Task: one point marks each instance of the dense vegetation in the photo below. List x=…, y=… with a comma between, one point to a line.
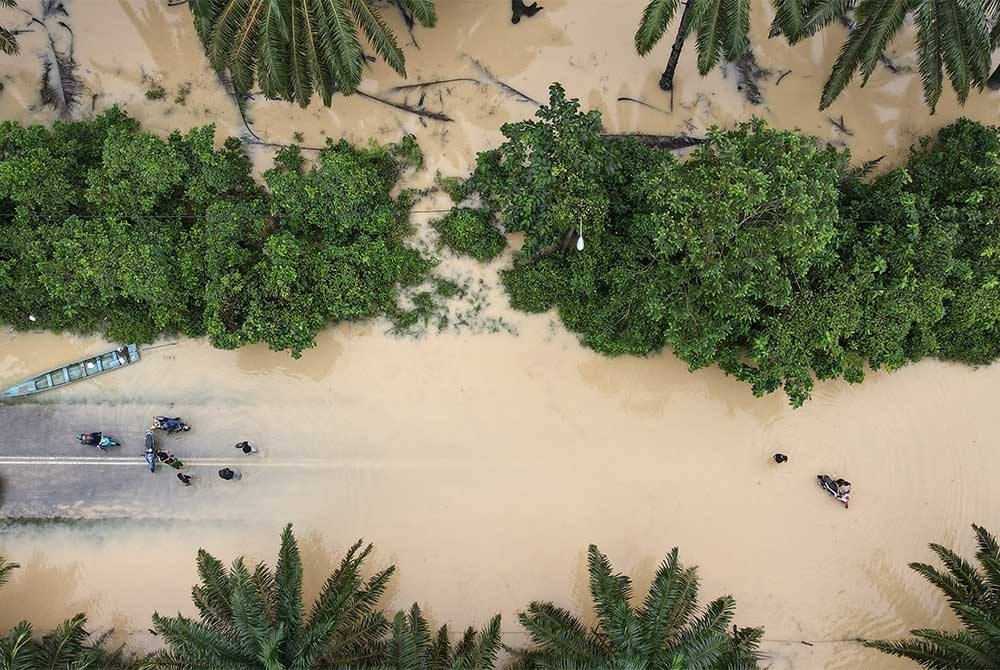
x=104, y=228
x=973, y=594
x=953, y=39
x=293, y=48
x=253, y=617
x=763, y=253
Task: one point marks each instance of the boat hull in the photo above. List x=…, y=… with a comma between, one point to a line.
x=73, y=372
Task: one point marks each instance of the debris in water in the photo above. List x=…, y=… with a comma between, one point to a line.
x=665, y=142
x=397, y=89
x=509, y=89
x=437, y=116
x=840, y=125
x=848, y=22
x=644, y=104
x=748, y=72
x=519, y=9
x=782, y=76
x=408, y=20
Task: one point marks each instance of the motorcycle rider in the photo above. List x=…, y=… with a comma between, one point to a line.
x=169, y=424
x=90, y=439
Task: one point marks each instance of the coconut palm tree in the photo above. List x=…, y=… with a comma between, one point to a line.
x=412, y=648
x=973, y=593
x=8, y=44
x=67, y=647
x=295, y=47
x=668, y=631
x=954, y=38
x=723, y=28
x=254, y=618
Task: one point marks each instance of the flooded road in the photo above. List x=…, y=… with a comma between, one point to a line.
x=482, y=465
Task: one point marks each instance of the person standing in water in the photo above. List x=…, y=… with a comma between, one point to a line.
x=780, y=458
x=246, y=447
x=185, y=479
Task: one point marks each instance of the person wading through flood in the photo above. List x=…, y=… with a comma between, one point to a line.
x=246, y=448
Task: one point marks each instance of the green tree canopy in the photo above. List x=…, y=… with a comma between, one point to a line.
x=104, y=228
x=763, y=253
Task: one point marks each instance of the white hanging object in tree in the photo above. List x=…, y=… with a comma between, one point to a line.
x=579, y=240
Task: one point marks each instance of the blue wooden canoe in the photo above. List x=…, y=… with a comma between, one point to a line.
x=72, y=372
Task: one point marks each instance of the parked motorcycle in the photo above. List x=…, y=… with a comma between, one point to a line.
x=99, y=440
x=150, y=454
x=170, y=424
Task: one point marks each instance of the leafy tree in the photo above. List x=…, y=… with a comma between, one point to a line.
x=973, y=594
x=8, y=43
x=954, y=38
x=104, y=228
x=471, y=232
x=723, y=28
x=68, y=647
x=667, y=631
x=253, y=617
x=411, y=646
x=295, y=47
x=763, y=253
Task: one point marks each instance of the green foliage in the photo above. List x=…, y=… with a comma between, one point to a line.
x=973, y=594
x=253, y=616
x=471, y=232
x=105, y=228
x=412, y=647
x=762, y=254
x=295, y=47
x=669, y=630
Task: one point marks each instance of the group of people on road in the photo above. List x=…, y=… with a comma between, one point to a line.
x=171, y=425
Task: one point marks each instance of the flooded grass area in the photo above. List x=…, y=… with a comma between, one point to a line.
x=483, y=457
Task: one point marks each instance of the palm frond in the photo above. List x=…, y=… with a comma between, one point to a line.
x=965, y=44
x=422, y=10
x=927, y=654
x=560, y=635
x=878, y=21
x=825, y=12
x=212, y=596
x=403, y=651
x=339, y=40
x=672, y=598
x=611, y=593
x=5, y=570
x=482, y=650
x=8, y=43
x=708, y=20
x=61, y=647
x=655, y=18
x=379, y=35
x=17, y=650
x=288, y=580
x=929, y=58
x=736, y=38
x=249, y=615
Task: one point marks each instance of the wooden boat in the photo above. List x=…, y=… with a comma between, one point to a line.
x=67, y=374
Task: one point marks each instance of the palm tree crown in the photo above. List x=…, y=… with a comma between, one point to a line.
x=954, y=37
x=723, y=28
x=668, y=631
x=973, y=593
x=295, y=47
x=254, y=618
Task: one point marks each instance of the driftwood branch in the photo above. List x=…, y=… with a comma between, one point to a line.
x=782, y=76
x=509, y=89
x=437, y=82
x=840, y=125
x=665, y=142
x=644, y=104
x=437, y=116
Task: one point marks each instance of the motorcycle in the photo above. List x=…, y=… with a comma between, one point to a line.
x=99, y=440
x=150, y=455
x=170, y=424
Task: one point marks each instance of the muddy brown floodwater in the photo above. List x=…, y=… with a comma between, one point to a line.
x=483, y=464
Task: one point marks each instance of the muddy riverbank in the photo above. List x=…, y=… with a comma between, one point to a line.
x=482, y=465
